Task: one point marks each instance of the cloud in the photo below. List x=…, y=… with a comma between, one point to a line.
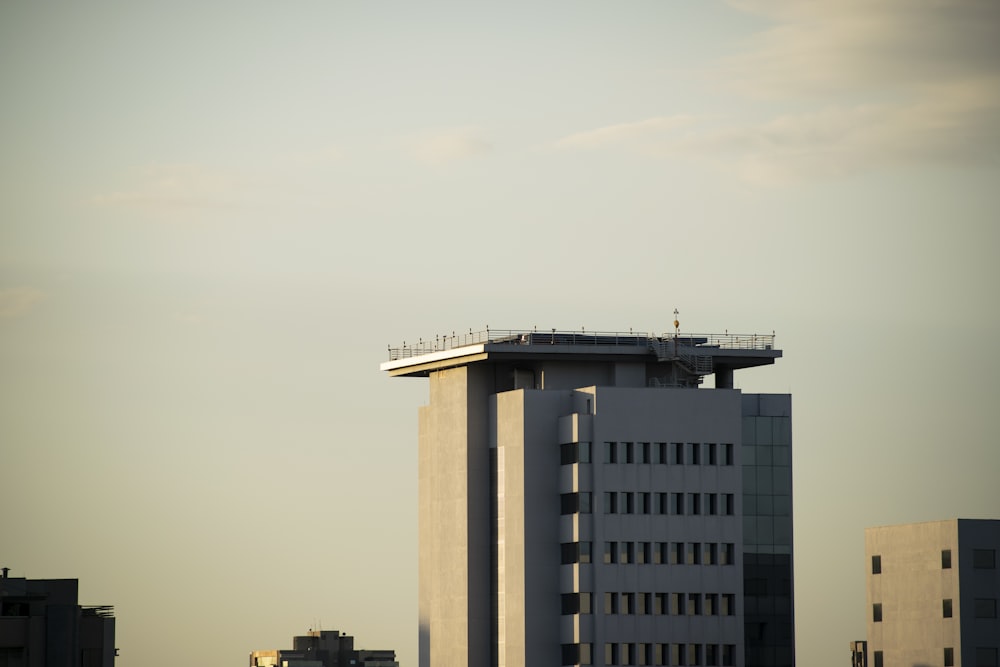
x=448, y=145
x=873, y=84
x=172, y=186
x=15, y=301
x=623, y=132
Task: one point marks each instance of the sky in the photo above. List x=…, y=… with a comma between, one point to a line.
x=216, y=217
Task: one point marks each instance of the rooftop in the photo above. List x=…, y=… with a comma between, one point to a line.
x=699, y=354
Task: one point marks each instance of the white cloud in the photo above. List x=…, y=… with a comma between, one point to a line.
x=623, y=132
x=15, y=301
x=171, y=186
x=448, y=145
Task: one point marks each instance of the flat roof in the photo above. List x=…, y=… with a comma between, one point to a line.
x=715, y=351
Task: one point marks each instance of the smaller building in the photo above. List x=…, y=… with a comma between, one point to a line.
x=42, y=625
x=323, y=648
x=932, y=591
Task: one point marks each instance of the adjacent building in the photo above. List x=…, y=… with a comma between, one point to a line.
x=932, y=591
x=323, y=648
x=583, y=500
x=43, y=625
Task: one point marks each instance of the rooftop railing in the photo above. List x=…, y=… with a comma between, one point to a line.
x=445, y=342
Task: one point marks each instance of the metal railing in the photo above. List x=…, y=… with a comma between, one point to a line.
x=444, y=342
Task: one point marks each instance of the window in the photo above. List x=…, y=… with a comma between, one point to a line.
x=642, y=452
x=570, y=654
x=677, y=503
x=611, y=452
x=728, y=655
x=645, y=654
x=661, y=453
x=678, y=453
x=677, y=654
x=694, y=453
x=574, y=452
x=946, y=608
x=569, y=503
x=727, y=454
x=627, y=552
x=711, y=553
x=694, y=604
x=986, y=657
x=628, y=603
x=628, y=502
x=584, y=452
x=728, y=607
x=877, y=612
x=628, y=654
x=728, y=554
x=570, y=603
x=986, y=607
x=878, y=659
x=628, y=452
x=713, y=459
x=694, y=503
x=610, y=502
x=661, y=553
x=694, y=654
x=586, y=502
x=693, y=553
x=676, y=604
x=611, y=603
x=729, y=504
x=610, y=552
x=984, y=559
x=643, y=503
x=876, y=565
x=713, y=503
x=586, y=654
x=585, y=549
x=662, y=506
x=660, y=604
x=949, y=657
x=644, y=603
x=570, y=552
x=611, y=654
x=586, y=603
x=946, y=559
x=711, y=604
x=711, y=654
x=642, y=553
x=676, y=552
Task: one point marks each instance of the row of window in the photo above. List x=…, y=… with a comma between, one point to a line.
x=653, y=553
x=982, y=559
x=983, y=608
x=652, y=654
x=642, y=502
x=656, y=604
x=985, y=657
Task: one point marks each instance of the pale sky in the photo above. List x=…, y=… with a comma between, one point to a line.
x=214, y=218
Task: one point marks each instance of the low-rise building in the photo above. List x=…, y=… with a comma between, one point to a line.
x=323, y=648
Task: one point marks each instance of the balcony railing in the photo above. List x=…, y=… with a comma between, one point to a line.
x=444, y=342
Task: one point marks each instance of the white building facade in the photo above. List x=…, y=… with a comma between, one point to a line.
x=584, y=502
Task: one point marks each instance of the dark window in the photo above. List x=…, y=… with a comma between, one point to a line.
x=676, y=552
x=628, y=654
x=878, y=659
x=627, y=552
x=694, y=503
x=610, y=502
x=585, y=549
x=662, y=503
x=677, y=503
x=730, y=504
x=728, y=555
x=728, y=655
x=678, y=453
x=644, y=603
x=693, y=553
x=645, y=656
x=628, y=502
x=643, y=553
x=571, y=654
x=694, y=449
x=694, y=654
x=569, y=503
x=877, y=612
x=586, y=502
x=986, y=657
x=728, y=607
x=611, y=603
x=711, y=604
x=611, y=452
x=570, y=552
x=570, y=603
x=660, y=553
x=986, y=608
x=876, y=565
x=713, y=503
x=984, y=559
x=568, y=453
x=611, y=654
x=949, y=657
x=713, y=459
x=643, y=503
x=676, y=604
x=694, y=604
x=946, y=608
x=711, y=553
x=629, y=453
x=610, y=552
x=628, y=603
x=946, y=559
x=583, y=450
x=727, y=454
x=711, y=654
x=642, y=452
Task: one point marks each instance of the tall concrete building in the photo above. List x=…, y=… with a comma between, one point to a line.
x=583, y=501
x=932, y=591
x=42, y=624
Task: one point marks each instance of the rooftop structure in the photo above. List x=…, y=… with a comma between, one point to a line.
x=323, y=648
x=582, y=501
